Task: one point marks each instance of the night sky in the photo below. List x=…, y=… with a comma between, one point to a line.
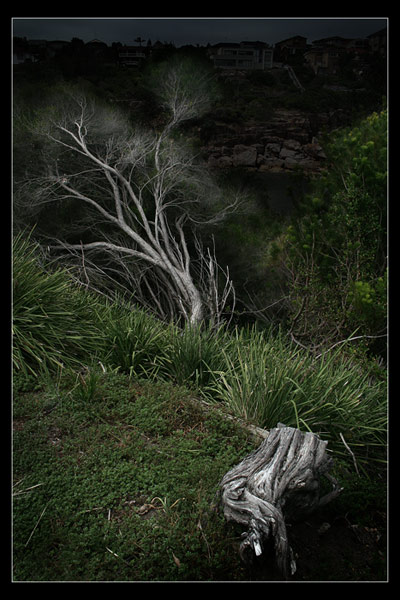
x=181, y=31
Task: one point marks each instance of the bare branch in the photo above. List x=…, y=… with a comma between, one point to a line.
x=351, y=339
x=144, y=187
x=110, y=247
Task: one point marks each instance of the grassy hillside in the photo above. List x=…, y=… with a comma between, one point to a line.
x=126, y=473
x=116, y=465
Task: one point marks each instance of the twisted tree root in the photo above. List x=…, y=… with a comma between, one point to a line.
x=280, y=480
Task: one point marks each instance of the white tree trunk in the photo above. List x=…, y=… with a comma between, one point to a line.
x=134, y=182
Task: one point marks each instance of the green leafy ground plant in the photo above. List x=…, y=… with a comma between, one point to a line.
x=120, y=488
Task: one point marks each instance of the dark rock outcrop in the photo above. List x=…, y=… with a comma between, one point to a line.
x=288, y=140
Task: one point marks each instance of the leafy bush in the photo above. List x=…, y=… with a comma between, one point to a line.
x=338, y=244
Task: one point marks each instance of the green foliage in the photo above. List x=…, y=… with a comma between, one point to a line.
x=84, y=482
x=94, y=448
x=368, y=301
x=267, y=380
x=87, y=386
x=194, y=353
x=257, y=375
x=337, y=247
x=360, y=153
x=135, y=340
x=53, y=322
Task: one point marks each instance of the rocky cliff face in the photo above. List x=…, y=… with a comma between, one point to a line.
x=288, y=140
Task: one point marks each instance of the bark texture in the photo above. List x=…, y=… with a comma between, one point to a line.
x=280, y=480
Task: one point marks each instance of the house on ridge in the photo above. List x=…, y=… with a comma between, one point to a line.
x=290, y=47
x=241, y=56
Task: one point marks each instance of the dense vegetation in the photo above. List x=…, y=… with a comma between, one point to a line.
x=111, y=446
x=337, y=248
x=99, y=447
x=258, y=375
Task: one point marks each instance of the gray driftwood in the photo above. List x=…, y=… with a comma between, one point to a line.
x=280, y=480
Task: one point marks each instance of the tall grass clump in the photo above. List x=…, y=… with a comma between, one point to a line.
x=194, y=353
x=267, y=380
x=136, y=341
x=55, y=322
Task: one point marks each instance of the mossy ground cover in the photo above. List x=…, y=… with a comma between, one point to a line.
x=115, y=479
x=125, y=474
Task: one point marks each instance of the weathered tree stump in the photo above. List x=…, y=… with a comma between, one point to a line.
x=280, y=480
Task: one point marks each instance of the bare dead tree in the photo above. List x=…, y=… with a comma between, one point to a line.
x=144, y=191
